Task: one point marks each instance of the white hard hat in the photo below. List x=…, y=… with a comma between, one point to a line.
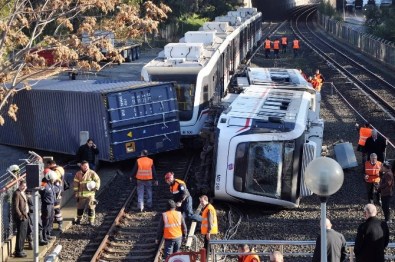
x=14, y=168
x=91, y=185
x=50, y=175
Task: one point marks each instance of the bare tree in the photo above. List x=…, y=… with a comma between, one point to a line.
x=27, y=27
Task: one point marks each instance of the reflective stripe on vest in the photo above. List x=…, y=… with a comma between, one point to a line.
x=267, y=44
x=296, y=44
x=364, y=133
x=214, y=226
x=144, y=168
x=373, y=171
x=172, y=224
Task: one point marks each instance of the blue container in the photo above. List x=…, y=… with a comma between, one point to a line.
x=122, y=117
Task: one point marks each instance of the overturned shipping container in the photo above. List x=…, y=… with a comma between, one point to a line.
x=123, y=117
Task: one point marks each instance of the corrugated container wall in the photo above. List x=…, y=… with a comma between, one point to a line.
x=122, y=117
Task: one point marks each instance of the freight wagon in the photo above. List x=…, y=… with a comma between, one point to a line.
x=123, y=117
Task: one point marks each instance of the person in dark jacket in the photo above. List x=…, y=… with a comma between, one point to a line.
x=88, y=153
x=372, y=237
x=47, y=192
x=385, y=189
x=336, y=245
x=20, y=210
x=376, y=144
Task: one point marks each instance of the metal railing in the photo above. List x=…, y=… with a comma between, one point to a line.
x=263, y=248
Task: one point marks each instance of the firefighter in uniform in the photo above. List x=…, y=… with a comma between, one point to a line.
x=144, y=171
x=295, y=46
x=276, y=48
x=86, y=183
x=244, y=248
x=180, y=195
x=364, y=133
x=284, y=44
x=209, y=225
x=172, y=227
x=58, y=182
x=267, y=45
x=372, y=177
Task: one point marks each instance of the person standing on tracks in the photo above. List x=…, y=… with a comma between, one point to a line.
x=372, y=177
x=86, y=183
x=296, y=46
x=276, y=48
x=372, y=237
x=48, y=194
x=320, y=79
x=364, y=133
x=386, y=188
x=267, y=45
x=20, y=210
x=58, y=182
x=144, y=172
x=336, y=245
x=88, y=152
x=244, y=248
x=181, y=195
x=284, y=44
x=171, y=227
x=376, y=144
x=209, y=225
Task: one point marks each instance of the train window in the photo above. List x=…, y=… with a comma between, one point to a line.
x=258, y=168
x=185, y=96
x=205, y=93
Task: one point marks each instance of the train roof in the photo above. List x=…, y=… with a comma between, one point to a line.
x=196, y=48
x=268, y=105
x=88, y=86
x=278, y=78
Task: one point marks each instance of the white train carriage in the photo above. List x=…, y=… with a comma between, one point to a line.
x=203, y=62
x=266, y=137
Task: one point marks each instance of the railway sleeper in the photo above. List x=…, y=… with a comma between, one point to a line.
x=130, y=237
x=128, y=245
x=128, y=258
x=126, y=251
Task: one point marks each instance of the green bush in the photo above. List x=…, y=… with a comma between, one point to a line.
x=190, y=23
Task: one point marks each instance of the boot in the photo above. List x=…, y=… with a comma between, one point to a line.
x=41, y=241
x=77, y=221
x=29, y=242
x=60, y=227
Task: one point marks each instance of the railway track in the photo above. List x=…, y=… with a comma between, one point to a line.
x=132, y=234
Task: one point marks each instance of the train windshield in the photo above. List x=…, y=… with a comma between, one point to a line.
x=185, y=97
x=264, y=168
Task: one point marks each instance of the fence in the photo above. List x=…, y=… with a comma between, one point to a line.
x=226, y=250
x=8, y=184
x=378, y=48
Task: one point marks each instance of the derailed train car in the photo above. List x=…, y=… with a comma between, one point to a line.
x=266, y=137
x=123, y=117
x=203, y=62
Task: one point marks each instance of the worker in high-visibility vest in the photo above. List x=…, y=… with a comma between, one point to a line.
x=209, y=226
x=372, y=177
x=244, y=248
x=144, y=172
x=320, y=78
x=364, y=133
x=284, y=44
x=267, y=45
x=276, y=48
x=295, y=46
x=172, y=228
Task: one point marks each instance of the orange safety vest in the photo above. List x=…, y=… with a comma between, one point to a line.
x=144, y=168
x=172, y=224
x=364, y=133
x=276, y=44
x=373, y=171
x=284, y=40
x=295, y=44
x=174, y=188
x=204, y=226
x=250, y=258
x=267, y=44
x=319, y=78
